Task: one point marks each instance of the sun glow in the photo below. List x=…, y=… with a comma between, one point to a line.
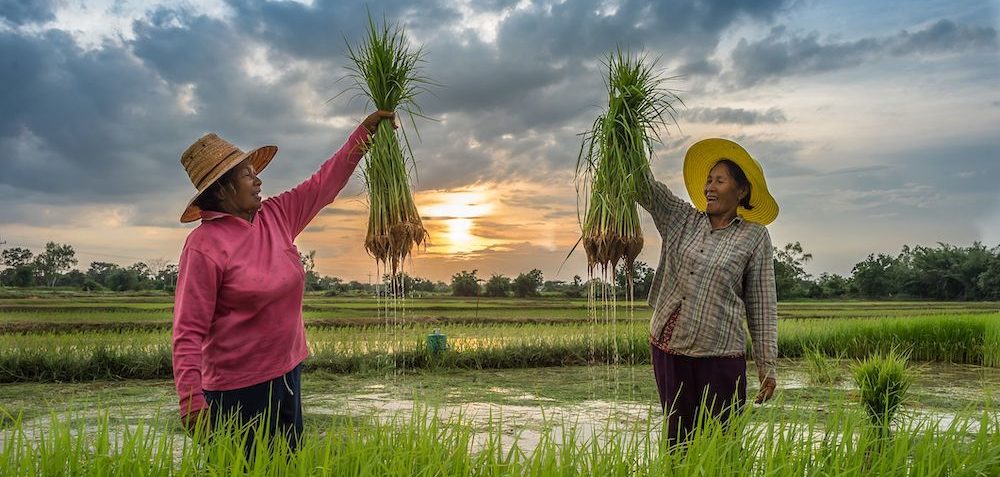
x=451, y=220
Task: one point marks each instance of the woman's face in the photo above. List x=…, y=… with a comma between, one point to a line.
x=244, y=199
x=722, y=191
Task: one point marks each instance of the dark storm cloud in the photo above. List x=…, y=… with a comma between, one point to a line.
x=106, y=125
x=540, y=75
x=783, y=53
x=20, y=12
x=318, y=31
x=725, y=115
x=79, y=123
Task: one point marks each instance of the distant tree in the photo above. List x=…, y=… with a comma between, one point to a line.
x=873, y=276
x=23, y=276
x=74, y=278
x=790, y=276
x=166, y=279
x=832, y=286
x=143, y=275
x=575, y=288
x=123, y=279
x=642, y=279
x=554, y=286
x=101, y=271
x=498, y=286
x=465, y=284
x=309, y=265
x=989, y=280
x=55, y=260
x=20, y=271
x=357, y=287
x=947, y=272
x=156, y=266
x=528, y=284
x=16, y=257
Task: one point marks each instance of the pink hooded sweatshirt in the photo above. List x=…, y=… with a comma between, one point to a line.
x=238, y=305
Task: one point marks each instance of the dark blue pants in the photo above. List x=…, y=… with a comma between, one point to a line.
x=274, y=404
x=714, y=386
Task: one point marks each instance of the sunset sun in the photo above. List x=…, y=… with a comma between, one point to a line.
x=453, y=216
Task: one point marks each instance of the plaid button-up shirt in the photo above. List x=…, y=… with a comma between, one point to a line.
x=716, y=279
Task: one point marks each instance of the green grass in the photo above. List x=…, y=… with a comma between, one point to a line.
x=146, y=354
x=823, y=369
x=115, y=313
x=758, y=442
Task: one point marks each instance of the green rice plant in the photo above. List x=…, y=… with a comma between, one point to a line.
x=425, y=442
x=883, y=381
x=991, y=343
x=145, y=354
x=386, y=70
x=944, y=338
x=614, y=158
x=821, y=368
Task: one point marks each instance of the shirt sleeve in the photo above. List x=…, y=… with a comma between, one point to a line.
x=666, y=208
x=298, y=206
x=760, y=296
x=198, y=282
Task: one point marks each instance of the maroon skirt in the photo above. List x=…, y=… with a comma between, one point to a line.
x=714, y=385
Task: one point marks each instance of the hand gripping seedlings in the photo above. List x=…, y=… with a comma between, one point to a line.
x=614, y=158
x=386, y=71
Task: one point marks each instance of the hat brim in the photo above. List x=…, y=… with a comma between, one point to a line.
x=259, y=157
x=705, y=154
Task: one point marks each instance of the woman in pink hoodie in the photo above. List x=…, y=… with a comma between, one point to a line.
x=238, y=335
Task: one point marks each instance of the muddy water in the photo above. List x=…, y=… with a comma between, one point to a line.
x=522, y=402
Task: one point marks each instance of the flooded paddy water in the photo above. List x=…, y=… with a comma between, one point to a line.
x=527, y=403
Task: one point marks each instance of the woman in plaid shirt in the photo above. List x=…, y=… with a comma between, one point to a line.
x=715, y=272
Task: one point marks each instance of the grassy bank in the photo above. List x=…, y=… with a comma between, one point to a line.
x=969, y=339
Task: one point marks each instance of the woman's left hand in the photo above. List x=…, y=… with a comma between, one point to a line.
x=371, y=122
x=767, y=387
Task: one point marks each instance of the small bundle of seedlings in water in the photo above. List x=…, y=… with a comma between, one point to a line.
x=386, y=72
x=614, y=159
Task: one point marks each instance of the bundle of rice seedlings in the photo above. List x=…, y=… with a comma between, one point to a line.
x=614, y=158
x=883, y=381
x=386, y=71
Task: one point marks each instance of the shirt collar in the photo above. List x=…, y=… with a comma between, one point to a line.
x=212, y=215
x=209, y=215
x=736, y=220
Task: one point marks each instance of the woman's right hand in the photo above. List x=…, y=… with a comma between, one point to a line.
x=371, y=122
x=194, y=418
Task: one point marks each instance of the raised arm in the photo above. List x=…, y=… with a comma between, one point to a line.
x=661, y=203
x=298, y=206
x=760, y=297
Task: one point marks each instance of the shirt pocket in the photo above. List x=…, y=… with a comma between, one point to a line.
x=729, y=262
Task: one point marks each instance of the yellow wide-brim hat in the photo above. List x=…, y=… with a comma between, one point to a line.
x=705, y=154
x=209, y=158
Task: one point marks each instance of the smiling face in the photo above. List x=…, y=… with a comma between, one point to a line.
x=242, y=195
x=722, y=191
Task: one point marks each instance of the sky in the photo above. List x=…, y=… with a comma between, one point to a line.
x=875, y=121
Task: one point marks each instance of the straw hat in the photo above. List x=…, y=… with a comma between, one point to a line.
x=209, y=158
x=705, y=154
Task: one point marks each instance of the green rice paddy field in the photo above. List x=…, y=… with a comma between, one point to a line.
x=527, y=387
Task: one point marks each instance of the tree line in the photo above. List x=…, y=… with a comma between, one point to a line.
x=943, y=272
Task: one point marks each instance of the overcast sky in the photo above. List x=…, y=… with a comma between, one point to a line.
x=876, y=121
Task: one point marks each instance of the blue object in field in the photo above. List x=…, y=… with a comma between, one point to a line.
x=437, y=342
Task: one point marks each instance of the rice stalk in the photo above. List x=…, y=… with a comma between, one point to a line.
x=613, y=163
x=386, y=71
